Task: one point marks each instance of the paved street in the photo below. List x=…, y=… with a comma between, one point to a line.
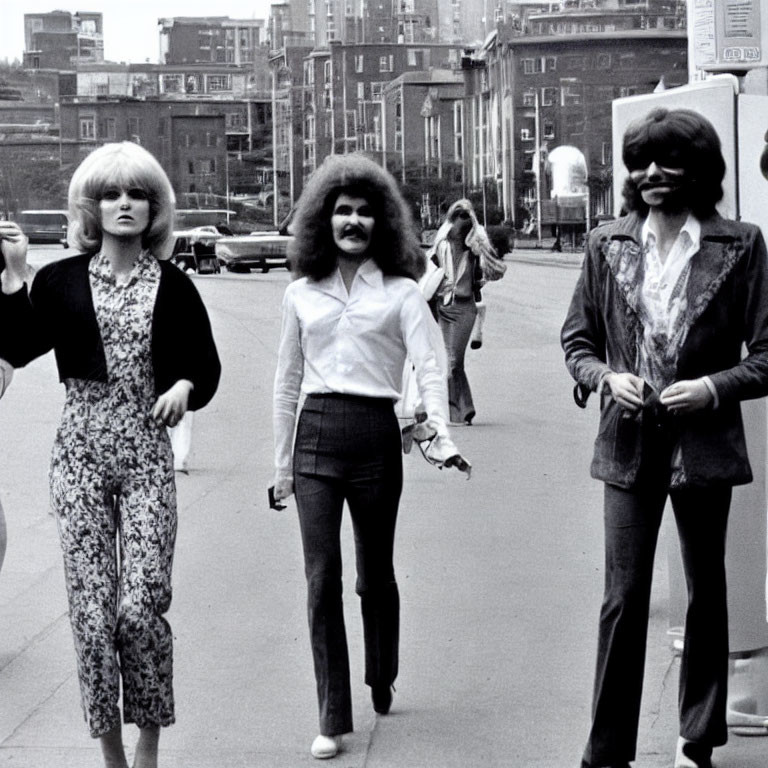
x=500, y=576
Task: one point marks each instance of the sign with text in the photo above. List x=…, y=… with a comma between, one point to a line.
x=728, y=35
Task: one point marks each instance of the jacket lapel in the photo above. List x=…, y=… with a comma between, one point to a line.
x=623, y=254
x=710, y=266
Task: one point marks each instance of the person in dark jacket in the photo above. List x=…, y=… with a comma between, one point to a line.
x=110, y=314
x=666, y=299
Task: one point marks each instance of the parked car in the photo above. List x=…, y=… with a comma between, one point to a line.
x=259, y=250
x=194, y=248
x=44, y=226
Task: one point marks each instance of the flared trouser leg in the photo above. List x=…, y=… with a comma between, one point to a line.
x=632, y=520
x=456, y=322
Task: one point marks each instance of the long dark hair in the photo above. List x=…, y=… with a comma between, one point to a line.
x=678, y=138
x=394, y=246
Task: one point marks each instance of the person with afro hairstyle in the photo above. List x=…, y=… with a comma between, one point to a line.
x=350, y=318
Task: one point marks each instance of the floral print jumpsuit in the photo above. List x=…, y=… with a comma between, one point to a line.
x=114, y=498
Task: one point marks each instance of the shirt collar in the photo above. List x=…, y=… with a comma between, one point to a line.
x=692, y=228
x=370, y=272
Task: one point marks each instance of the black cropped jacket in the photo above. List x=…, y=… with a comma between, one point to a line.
x=57, y=313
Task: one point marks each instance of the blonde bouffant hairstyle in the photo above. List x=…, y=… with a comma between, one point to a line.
x=394, y=245
x=123, y=165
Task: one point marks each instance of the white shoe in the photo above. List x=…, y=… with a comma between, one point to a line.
x=325, y=747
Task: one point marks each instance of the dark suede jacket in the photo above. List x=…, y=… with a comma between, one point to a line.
x=727, y=307
x=58, y=314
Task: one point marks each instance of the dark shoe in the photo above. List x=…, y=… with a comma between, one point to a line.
x=692, y=754
x=475, y=344
x=381, y=695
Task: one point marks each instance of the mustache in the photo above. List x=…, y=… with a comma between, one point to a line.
x=352, y=230
x=674, y=183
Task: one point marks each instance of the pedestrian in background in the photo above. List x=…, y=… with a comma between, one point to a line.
x=463, y=251
x=110, y=316
x=666, y=299
x=349, y=321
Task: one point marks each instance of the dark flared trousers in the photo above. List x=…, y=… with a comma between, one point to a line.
x=632, y=519
x=456, y=321
x=348, y=448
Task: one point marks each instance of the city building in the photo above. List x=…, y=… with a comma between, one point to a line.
x=342, y=93
x=205, y=146
x=530, y=93
x=210, y=40
x=62, y=40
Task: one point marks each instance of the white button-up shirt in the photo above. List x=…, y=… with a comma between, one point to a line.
x=355, y=343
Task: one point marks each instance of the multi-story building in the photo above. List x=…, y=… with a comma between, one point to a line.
x=62, y=40
x=210, y=40
x=342, y=93
x=422, y=116
x=527, y=94
x=202, y=144
x=423, y=137
x=377, y=21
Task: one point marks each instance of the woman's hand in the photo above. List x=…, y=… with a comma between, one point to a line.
x=172, y=405
x=13, y=245
x=686, y=396
x=626, y=389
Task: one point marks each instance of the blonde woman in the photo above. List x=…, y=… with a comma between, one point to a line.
x=108, y=314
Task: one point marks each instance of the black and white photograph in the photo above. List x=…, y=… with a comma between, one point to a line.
x=383, y=384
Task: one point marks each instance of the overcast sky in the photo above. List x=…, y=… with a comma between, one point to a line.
x=130, y=26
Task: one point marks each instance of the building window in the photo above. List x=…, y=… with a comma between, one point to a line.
x=359, y=63
x=533, y=66
x=327, y=71
x=526, y=134
x=88, y=127
x=188, y=142
x=606, y=155
x=134, y=129
x=458, y=131
x=361, y=91
x=309, y=128
x=570, y=93
x=629, y=90
x=603, y=60
x=191, y=167
x=171, y=83
x=211, y=139
x=208, y=166
x=387, y=63
x=551, y=64
x=549, y=129
x=548, y=96
x=110, y=128
x=219, y=83
x=376, y=91
x=529, y=98
x=309, y=73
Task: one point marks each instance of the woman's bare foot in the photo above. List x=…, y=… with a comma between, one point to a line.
x=146, y=748
x=112, y=748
